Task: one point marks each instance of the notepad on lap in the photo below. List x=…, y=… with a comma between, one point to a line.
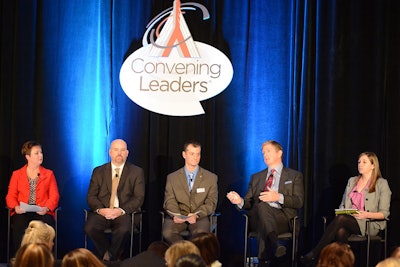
x=346, y=211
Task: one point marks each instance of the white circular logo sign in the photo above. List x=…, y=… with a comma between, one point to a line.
x=173, y=74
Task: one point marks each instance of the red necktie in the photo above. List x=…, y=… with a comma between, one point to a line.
x=269, y=180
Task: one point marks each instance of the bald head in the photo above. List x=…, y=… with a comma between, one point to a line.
x=118, y=152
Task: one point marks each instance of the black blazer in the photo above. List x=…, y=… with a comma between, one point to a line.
x=131, y=188
x=290, y=186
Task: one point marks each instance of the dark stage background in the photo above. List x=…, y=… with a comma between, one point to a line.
x=319, y=76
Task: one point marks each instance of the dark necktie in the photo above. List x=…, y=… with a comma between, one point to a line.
x=269, y=181
x=191, y=181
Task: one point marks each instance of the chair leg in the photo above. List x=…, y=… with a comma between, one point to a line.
x=8, y=234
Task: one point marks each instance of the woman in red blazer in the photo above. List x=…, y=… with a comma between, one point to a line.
x=34, y=185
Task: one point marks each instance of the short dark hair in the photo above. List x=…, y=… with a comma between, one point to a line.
x=191, y=142
x=158, y=247
x=27, y=146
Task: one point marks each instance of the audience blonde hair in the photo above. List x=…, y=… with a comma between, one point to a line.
x=389, y=262
x=336, y=255
x=395, y=253
x=178, y=249
x=39, y=232
x=81, y=257
x=35, y=254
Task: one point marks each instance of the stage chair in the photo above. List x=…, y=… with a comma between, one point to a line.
x=213, y=217
x=381, y=237
x=251, y=235
x=136, y=229
x=9, y=226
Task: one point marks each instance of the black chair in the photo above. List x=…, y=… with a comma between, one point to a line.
x=213, y=217
x=381, y=237
x=136, y=229
x=289, y=236
x=9, y=226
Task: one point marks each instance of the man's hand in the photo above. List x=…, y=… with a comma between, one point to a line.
x=179, y=220
x=269, y=196
x=192, y=218
x=110, y=214
x=234, y=197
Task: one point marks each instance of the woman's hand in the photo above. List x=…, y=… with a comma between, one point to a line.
x=18, y=210
x=43, y=211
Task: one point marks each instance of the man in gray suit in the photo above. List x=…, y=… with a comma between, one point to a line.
x=191, y=195
x=116, y=190
x=273, y=197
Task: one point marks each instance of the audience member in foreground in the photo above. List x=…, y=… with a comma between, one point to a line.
x=34, y=255
x=178, y=249
x=190, y=260
x=395, y=253
x=209, y=247
x=39, y=232
x=369, y=194
x=81, y=257
x=336, y=255
x=152, y=257
x=389, y=262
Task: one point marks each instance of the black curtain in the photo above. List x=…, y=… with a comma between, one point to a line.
x=329, y=70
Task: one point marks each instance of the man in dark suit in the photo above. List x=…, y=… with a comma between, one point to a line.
x=191, y=195
x=273, y=197
x=116, y=190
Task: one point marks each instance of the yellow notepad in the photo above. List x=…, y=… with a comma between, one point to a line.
x=346, y=211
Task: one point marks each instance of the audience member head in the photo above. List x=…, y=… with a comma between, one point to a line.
x=336, y=255
x=179, y=249
x=208, y=245
x=34, y=254
x=190, y=260
x=39, y=232
x=158, y=247
x=389, y=262
x=395, y=253
x=81, y=257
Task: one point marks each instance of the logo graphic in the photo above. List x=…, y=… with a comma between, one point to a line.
x=172, y=73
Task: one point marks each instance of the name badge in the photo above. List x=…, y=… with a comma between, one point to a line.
x=200, y=190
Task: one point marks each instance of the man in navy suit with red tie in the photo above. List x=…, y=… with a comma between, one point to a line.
x=273, y=198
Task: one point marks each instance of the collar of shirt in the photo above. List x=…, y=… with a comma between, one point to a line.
x=194, y=173
x=120, y=169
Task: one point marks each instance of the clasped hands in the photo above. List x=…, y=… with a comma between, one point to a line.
x=110, y=214
x=192, y=218
x=265, y=196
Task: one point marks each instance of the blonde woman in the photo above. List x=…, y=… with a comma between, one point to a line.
x=178, y=249
x=39, y=232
